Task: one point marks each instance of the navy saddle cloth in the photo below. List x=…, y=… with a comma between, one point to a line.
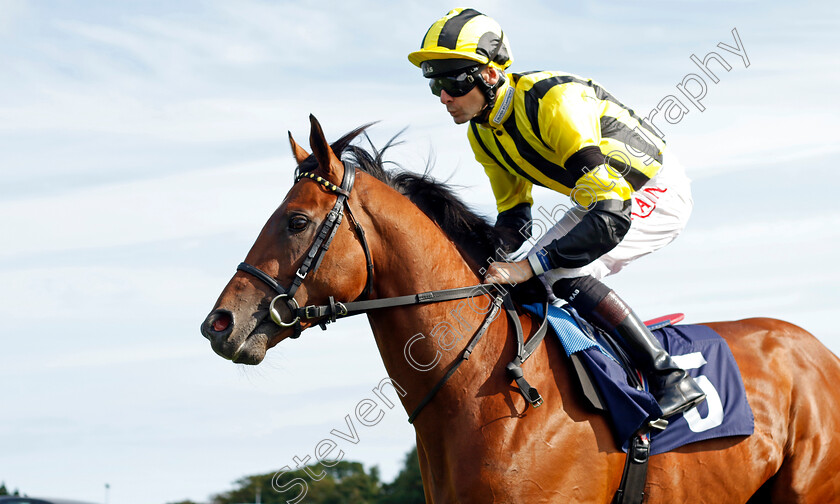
x=697, y=349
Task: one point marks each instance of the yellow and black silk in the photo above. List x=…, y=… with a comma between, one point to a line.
x=570, y=135
x=462, y=34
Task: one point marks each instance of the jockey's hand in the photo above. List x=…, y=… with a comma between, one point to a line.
x=508, y=273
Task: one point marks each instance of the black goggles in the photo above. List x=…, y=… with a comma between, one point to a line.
x=455, y=85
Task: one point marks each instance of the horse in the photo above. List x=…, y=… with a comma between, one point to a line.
x=478, y=440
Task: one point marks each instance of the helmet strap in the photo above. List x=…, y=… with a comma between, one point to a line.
x=488, y=89
x=490, y=94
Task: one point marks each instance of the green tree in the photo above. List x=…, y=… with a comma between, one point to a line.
x=407, y=487
x=5, y=491
x=346, y=483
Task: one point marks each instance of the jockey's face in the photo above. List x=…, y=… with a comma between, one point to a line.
x=464, y=108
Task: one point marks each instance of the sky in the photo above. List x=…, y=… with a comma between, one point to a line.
x=143, y=145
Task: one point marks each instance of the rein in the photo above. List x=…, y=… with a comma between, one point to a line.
x=336, y=309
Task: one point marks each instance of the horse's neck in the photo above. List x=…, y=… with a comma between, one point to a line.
x=415, y=255
x=477, y=412
x=412, y=255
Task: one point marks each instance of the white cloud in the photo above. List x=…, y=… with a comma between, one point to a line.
x=11, y=13
x=205, y=202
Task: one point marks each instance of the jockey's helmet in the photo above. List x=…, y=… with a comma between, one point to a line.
x=462, y=34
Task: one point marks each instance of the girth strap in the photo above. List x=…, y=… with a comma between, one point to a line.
x=632, y=488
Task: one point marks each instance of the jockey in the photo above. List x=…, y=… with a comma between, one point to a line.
x=568, y=134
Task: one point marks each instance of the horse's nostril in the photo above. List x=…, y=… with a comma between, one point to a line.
x=217, y=325
x=222, y=322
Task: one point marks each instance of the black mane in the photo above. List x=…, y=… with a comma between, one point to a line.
x=470, y=232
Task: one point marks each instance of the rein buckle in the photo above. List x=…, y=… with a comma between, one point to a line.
x=310, y=312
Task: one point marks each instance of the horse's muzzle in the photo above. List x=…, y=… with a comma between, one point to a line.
x=243, y=342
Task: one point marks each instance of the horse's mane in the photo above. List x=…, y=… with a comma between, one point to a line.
x=474, y=236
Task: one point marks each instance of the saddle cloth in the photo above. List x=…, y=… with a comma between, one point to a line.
x=697, y=349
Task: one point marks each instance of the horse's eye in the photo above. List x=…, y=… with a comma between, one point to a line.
x=298, y=223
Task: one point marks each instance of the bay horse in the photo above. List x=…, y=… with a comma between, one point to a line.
x=478, y=440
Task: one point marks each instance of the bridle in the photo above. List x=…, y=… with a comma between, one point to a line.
x=316, y=253
x=335, y=309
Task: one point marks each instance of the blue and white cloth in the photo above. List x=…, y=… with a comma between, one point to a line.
x=697, y=349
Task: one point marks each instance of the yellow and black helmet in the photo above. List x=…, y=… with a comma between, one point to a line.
x=462, y=34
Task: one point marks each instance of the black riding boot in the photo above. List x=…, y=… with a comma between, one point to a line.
x=673, y=388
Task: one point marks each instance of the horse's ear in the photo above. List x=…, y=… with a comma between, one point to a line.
x=328, y=162
x=297, y=150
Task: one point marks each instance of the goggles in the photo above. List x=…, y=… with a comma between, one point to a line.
x=455, y=85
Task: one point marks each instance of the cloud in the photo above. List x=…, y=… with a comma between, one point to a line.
x=205, y=202
x=12, y=12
